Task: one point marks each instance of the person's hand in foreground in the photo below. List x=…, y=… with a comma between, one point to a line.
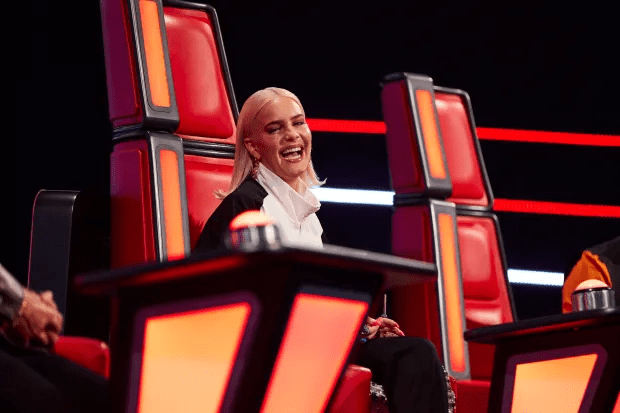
x=383, y=327
x=38, y=322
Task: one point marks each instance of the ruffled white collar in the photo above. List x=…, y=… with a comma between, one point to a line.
x=297, y=206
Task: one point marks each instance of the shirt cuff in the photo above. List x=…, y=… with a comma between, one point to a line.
x=11, y=295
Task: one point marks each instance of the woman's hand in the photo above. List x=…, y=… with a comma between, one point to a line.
x=389, y=328
x=373, y=327
x=382, y=327
x=38, y=322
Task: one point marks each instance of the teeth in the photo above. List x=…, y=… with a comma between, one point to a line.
x=291, y=150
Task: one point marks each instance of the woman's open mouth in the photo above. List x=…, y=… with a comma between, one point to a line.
x=292, y=154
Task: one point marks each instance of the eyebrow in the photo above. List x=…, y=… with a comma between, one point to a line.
x=280, y=120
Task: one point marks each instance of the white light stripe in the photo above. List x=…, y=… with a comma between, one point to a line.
x=354, y=196
x=555, y=279
x=385, y=198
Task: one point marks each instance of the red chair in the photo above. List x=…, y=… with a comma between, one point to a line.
x=488, y=298
x=443, y=196
x=64, y=242
x=173, y=111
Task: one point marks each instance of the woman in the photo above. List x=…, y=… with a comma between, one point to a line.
x=272, y=172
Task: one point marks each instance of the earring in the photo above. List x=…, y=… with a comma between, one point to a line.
x=255, y=163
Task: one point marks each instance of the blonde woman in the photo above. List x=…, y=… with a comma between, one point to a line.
x=273, y=173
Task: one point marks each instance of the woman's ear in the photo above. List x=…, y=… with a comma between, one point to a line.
x=249, y=145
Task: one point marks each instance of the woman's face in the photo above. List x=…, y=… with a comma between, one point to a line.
x=281, y=140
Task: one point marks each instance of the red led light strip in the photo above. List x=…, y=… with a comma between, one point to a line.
x=502, y=205
x=556, y=208
x=565, y=138
x=347, y=126
x=514, y=135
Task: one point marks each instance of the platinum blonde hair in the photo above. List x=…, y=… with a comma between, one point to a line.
x=242, y=166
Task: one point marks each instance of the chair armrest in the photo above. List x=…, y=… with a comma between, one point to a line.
x=353, y=394
x=88, y=352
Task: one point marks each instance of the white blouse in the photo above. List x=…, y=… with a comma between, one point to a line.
x=294, y=212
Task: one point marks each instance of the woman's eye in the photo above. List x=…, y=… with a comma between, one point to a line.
x=272, y=130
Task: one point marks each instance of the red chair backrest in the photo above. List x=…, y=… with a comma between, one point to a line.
x=207, y=107
x=173, y=110
x=206, y=103
x=415, y=153
x=470, y=185
x=486, y=292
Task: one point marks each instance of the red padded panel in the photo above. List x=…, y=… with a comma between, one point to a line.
x=417, y=311
x=415, y=307
x=478, y=260
x=487, y=301
x=202, y=98
x=132, y=234
x=202, y=177
x=480, y=356
x=412, y=235
x=353, y=394
x=90, y=353
x=472, y=396
x=467, y=182
x=123, y=98
x=403, y=152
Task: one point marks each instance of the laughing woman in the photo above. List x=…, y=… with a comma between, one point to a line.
x=273, y=173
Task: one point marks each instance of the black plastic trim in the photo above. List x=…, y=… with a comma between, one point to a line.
x=155, y=117
x=156, y=142
x=497, y=333
x=209, y=149
x=52, y=218
x=401, y=200
x=436, y=207
x=127, y=132
x=220, y=45
x=440, y=188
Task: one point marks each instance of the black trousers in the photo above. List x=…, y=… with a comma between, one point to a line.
x=36, y=381
x=410, y=372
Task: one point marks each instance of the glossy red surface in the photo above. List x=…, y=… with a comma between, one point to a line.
x=90, y=353
x=203, y=176
x=467, y=182
x=415, y=307
x=202, y=98
x=471, y=395
x=401, y=141
x=353, y=395
x=132, y=238
x=124, y=103
x=487, y=301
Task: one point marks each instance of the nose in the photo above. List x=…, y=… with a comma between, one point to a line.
x=290, y=133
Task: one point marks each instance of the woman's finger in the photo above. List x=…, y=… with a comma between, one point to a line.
x=386, y=322
x=395, y=330
x=48, y=298
x=53, y=337
x=42, y=336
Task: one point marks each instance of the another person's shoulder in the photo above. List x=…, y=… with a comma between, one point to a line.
x=600, y=262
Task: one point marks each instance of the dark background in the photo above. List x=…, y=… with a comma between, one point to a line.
x=548, y=69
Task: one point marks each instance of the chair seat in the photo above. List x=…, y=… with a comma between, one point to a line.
x=87, y=352
x=471, y=395
x=353, y=395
